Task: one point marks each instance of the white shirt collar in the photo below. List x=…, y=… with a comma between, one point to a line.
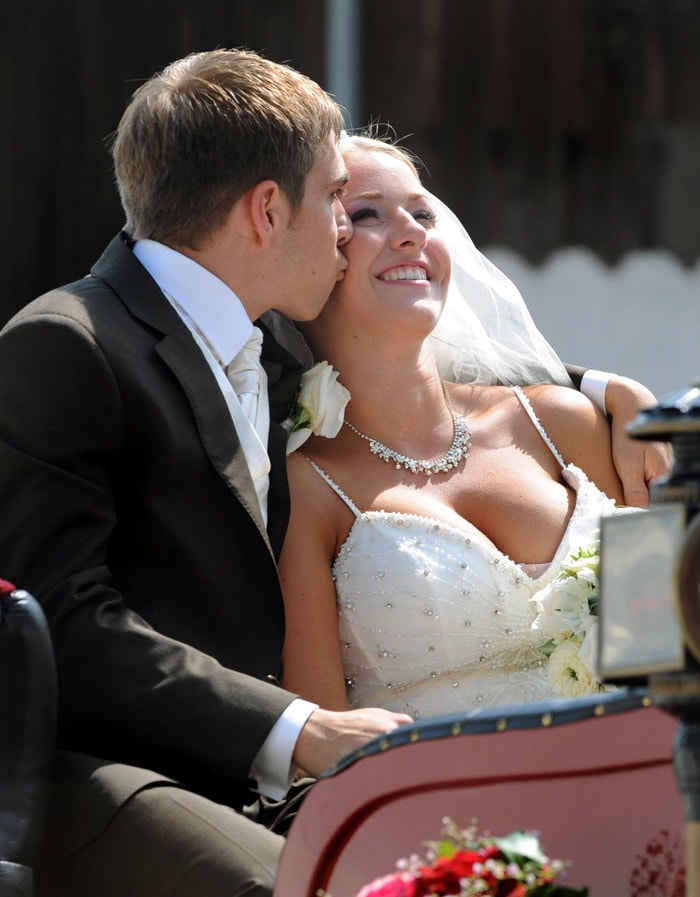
x=213, y=308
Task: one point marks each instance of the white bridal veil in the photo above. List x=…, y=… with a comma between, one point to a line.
x=486, y=333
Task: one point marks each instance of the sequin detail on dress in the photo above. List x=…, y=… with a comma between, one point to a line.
x=434, y=619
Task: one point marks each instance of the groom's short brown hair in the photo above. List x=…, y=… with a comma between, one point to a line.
x=198, y=135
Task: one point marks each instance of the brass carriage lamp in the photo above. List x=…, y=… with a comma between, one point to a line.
x=649, y=601
x=677, y=419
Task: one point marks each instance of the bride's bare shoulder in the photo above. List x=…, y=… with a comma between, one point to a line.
x=548, y=399
x=302, y=475
x=479, y=398
x=554, y=405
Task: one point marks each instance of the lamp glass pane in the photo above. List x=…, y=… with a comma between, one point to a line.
x=640, y=630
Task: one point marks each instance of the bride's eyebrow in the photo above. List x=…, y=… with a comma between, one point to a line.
x=368, y=194
x=379, y=194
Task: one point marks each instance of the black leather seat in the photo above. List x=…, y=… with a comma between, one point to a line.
x=27, y=733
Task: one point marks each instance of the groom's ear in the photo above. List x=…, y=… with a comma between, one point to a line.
x=267, y=208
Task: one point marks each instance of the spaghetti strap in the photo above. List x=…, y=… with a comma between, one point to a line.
x=334, y=486
x=525, y=402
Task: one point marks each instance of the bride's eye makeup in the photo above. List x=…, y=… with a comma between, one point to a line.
x=363, y=214
x=426, y=215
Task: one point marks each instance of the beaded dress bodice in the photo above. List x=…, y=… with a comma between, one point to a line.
x=434, y=619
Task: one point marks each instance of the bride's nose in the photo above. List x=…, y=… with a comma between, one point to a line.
x=408, y=231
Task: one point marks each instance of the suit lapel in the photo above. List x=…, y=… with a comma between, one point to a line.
x=217, y=433
x=278, y=503
x=178, y=350
x=285, y=357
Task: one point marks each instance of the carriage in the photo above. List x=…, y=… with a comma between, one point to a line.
x=595, y=776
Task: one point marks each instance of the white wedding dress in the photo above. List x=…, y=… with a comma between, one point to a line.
x=434, y=619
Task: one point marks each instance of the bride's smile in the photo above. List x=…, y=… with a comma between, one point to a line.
x=410, y=271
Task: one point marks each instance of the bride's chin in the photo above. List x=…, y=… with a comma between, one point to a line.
x=425, y=315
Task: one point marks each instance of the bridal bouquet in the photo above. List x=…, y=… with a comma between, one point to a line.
x=466, y=865
x=566, y=626
x=319, y=407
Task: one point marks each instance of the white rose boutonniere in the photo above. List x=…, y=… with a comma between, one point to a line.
x=566, y=626
x=319, y=407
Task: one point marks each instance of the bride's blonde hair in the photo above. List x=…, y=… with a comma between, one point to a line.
x=373, y=140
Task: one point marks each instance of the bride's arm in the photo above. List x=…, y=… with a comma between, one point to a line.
x=638, y=462
x=312, y=665
x=581, y=433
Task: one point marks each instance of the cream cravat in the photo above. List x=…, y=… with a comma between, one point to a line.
x=245, y=374
x=249, y=381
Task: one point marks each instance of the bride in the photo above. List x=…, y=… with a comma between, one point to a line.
x=423, y=585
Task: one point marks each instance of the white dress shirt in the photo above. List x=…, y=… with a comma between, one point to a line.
x=220, y=326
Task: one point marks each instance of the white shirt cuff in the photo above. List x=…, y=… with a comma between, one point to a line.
x=272, y=770
x=593, y=386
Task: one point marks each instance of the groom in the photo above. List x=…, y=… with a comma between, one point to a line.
x=140, y=504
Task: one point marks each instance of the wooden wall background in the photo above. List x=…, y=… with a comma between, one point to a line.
x=544, y=123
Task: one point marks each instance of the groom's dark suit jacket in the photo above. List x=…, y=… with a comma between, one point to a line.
x=128, y=510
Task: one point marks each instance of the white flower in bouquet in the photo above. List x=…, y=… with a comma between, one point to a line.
x=319, y=407
x=566, y=626
x=588, y=652
x=565, y=605
x=568, y=672
x=574, y=603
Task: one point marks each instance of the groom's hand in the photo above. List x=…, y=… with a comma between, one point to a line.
x=637, y=461
x=329, y=735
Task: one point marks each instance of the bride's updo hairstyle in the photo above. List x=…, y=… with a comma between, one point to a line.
x=486, y=333
x=372, y=141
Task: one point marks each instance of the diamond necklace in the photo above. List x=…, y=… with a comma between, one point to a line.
x=456, y=452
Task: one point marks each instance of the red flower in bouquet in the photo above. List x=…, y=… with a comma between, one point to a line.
x=466, y=866
x=447, y=873
x=398, y=884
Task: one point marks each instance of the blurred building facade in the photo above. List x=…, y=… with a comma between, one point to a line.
x=564, y=133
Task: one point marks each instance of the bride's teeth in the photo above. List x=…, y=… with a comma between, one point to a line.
x=409, y=273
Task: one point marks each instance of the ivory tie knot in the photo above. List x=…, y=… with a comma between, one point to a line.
x=247, y=376
x=245, y=371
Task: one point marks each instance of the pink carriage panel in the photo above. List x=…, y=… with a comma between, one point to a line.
x=596, y=782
